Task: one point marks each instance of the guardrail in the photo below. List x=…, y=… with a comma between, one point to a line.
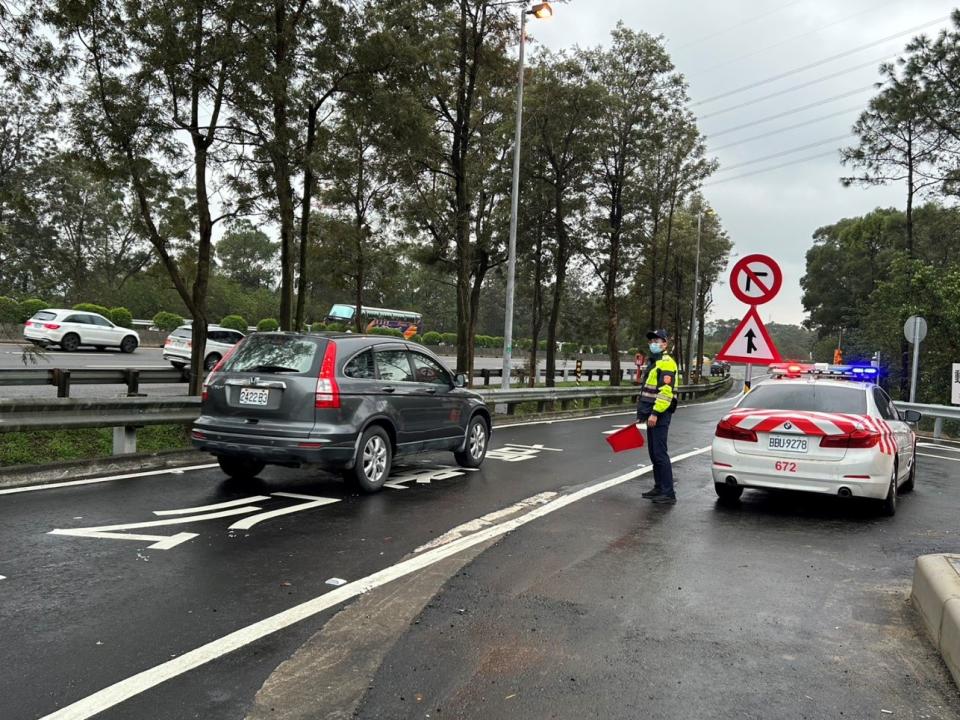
x=938, y=412
x=125, y=415
x=133, y=378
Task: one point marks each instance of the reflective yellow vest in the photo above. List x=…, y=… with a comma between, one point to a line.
x=656, y=396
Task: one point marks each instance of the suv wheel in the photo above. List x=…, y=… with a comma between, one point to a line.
x=70, y=342
x=128, y=344
x=476, y=448
x=210, y=362
x=241, y=468
x=374, y=456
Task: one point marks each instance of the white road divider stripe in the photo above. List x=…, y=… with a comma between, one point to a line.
x=150, y=678
x=91, y=481
x=211, y=508
x=938, y=457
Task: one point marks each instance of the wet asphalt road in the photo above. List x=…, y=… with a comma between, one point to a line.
x=574, y=615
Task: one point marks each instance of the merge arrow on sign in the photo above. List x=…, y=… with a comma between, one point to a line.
x=750, y=343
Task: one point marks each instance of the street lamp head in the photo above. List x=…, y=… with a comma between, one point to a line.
x=541, y=11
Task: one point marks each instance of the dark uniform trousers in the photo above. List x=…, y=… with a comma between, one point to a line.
x=657, y=445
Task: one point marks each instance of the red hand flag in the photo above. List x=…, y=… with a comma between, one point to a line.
x=628, y=438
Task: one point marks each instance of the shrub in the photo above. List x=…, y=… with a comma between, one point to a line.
x=268, y=325
x=337, y=327
x=391, y=332
x=29, y=308
x=9, y=310
x=234, y=322
x=542, y=345
x=448, y=338
x=121, y=316
x=167, y=321
x=498, y=342
x=432, y=338
x=417, y=339
x=318, y=327
x=93, y=308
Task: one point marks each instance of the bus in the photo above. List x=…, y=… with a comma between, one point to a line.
x=409, y=323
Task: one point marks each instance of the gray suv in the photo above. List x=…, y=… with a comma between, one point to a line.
x=339, y=401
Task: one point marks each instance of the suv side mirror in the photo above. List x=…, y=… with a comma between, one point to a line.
x=911, y=416
x=460, y=380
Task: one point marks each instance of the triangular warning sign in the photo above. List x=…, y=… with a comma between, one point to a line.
x=750, y=343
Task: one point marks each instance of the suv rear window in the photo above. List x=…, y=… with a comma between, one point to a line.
x=44, y=316
x=806, y=397
x=274, y=354
x=183, y=332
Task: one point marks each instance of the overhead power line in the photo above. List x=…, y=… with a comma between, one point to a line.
x=792, y=88
x=793, y=111
x=872, y=9
x=785, y=152
x=770, y=169
x=786, y=129
x=810, y=66
x=727, y=29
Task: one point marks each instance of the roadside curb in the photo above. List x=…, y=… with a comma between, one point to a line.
x=19, y=476
x=936, y=595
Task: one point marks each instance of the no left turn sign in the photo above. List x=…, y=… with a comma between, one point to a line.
x=756, y=279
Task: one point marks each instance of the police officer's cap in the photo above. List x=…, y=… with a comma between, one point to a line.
x=658, y=335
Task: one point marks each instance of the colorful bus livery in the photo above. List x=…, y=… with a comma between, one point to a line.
x=409, y=323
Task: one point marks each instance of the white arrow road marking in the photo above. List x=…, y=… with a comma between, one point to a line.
x=249, y=522
x=210, y=508
x=161, y=542
x=3, y=577
x=424, y=476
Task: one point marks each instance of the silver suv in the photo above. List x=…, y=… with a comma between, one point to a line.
x=339, y=401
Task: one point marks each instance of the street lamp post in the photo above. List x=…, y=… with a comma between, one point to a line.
x=694, y=370
x=540, y=11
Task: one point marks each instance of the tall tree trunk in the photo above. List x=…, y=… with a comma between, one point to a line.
x=537, y=310
x=280, y=155
x=659, y=320
x=308, y=183
x=613, y=310
x=560, y=275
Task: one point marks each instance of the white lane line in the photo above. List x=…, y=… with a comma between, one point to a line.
x=938, y=447
x=249, y=522
x=3, y=577
x=209, y=508
x=939, y=457
x=143, y=681
x=71, y=483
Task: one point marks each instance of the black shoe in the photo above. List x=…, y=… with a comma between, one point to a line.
x=665, y=499
x=652, y=493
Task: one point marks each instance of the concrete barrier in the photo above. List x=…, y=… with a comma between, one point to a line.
x=936, y=595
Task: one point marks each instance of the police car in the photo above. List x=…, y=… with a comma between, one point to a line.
x=817, y=428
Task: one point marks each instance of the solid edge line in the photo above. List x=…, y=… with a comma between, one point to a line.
x=92, y=481
x=938, y=457
x=147, y=679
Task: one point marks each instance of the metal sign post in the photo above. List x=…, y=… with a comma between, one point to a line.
x=915, y=330
x=955, y=384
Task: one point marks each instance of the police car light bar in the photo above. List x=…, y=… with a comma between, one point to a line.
x=864, y=373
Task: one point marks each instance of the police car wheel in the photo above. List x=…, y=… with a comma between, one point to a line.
x=909, y=483
x=728, y=493
x=889, y=506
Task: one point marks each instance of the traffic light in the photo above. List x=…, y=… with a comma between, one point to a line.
x=837, y=356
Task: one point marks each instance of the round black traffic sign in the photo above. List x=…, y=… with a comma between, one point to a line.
x=756, y=279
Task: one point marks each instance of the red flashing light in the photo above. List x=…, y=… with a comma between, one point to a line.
x=328, y=392
x=729, y=431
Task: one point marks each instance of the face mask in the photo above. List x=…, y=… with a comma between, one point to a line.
x=655, y=349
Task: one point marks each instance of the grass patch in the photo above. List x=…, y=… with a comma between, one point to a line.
x=50, y=446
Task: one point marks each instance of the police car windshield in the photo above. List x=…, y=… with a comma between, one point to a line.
x=806, y=397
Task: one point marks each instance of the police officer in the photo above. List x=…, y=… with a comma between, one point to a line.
x=656, y=406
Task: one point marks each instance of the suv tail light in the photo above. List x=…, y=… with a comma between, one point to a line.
x=726, y=429
x=328, y=392
x=51, y=326
x=216, y=368
x=858, y=439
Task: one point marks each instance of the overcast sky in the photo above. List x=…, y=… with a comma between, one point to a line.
x=723, y=46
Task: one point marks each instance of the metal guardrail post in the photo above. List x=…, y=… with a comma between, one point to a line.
x=124, y=440
x=938, y=428
x=485, y=374
x=132, y=378
x=61, y=378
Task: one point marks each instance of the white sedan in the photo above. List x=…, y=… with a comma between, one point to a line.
x=71, y=328
x=816, y=434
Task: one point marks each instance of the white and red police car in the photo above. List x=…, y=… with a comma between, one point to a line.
x=817, y=428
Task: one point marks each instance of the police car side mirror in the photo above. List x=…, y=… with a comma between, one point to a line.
x=911, y=416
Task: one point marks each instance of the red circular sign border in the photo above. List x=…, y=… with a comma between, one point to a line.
x=774, y=288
